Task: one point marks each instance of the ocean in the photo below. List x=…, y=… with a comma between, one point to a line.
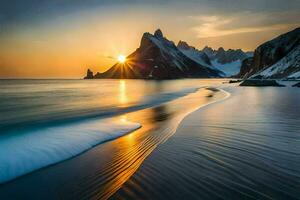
x=135, y=139
x=43, y=122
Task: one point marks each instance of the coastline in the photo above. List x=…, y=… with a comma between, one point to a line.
x=45, y=144
x=223, y=152
x=150, y=100
x=232, y=148
x=147, y=135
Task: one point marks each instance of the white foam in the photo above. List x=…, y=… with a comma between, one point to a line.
x=24, y=152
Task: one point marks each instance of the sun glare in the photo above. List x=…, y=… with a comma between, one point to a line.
x=121, y=58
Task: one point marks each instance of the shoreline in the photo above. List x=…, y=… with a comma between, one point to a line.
x=49, y=138
x=113, y=185
x=221, y=151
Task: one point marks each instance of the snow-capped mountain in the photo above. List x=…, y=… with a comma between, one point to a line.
x=158, y=58
x=229, y=61
x=229, y=69
x=223, y=56
x=193, y=53
x=278, y=58
x=288, y=66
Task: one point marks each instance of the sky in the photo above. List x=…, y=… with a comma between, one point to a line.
x=62, y=38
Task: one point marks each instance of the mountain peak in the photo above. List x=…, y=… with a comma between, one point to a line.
x=159, y=58
x=207, y=47
x=158, y=33
x=221, y=49
x=183, y=45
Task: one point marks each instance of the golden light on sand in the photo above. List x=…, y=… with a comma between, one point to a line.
x=121, y=58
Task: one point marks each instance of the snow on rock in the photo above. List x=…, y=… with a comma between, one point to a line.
x=288, y=66
x=159, y=58
x=226, y=56
x=197, y=55
x=295, y=75
x=194, y=54
x=229, y=69
x=228, y=61
x=277, y=58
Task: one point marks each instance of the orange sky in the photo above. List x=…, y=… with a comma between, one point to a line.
x=66, y=45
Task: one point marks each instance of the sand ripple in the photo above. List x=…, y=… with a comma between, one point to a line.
x=247, y=147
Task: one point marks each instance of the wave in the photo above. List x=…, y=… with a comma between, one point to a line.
x=40, y=120
x=23, y=152
x=128, y=158
x=26, y=149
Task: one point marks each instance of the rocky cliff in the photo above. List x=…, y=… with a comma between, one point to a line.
x=278, y=58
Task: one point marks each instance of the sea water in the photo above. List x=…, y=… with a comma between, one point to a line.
x=43, y=122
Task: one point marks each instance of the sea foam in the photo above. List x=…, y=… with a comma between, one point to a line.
x=22, y=152
x=44, y=128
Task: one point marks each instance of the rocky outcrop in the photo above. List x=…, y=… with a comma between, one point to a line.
x=89, y=74
x=260, y=83
x=209, y=52
x=246, y=67
x=297, y=85
x=278, y=58
x=158, y=58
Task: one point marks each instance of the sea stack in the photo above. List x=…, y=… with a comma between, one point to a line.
x=89, y=74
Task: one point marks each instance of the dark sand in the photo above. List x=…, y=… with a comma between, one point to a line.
x=246, y=147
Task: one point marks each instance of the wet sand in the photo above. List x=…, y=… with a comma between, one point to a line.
x=245, y=147
x=101, y=171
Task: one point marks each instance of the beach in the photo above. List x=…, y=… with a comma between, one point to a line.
x=223, y=151
x=212, y=143
x=150, y=100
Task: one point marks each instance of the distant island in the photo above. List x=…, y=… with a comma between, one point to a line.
x=159, y=58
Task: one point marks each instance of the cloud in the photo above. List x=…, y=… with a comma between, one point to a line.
x=244, y=22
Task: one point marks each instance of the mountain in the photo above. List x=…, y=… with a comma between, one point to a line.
x=158, y=58
x=277, y=58
x=297, y=85
x=197, y=55
x=245, y=67
x=224, y=57
x=194, y=54
x=229, y=61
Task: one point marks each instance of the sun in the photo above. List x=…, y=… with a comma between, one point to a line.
x=121, y=58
